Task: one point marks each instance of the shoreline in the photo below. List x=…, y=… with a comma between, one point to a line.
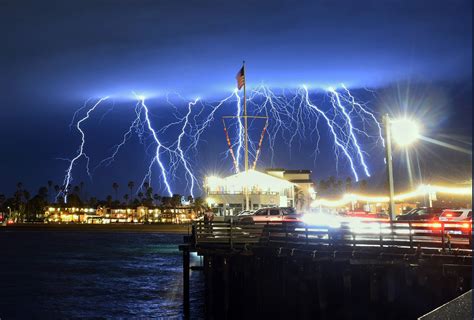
x=115, y=227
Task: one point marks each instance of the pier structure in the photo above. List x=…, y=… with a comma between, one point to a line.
x=389, y=270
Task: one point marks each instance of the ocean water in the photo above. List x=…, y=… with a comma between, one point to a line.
x=63, y=274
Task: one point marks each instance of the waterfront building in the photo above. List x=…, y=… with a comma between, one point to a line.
x=68, y=214
x=272, y=188
x=105, y=215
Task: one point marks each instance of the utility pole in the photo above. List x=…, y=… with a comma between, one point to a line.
x=388, y=160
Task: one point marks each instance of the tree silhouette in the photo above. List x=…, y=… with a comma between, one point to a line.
x=115, y=186
x=157, y=198
x=130, y=185
x=81, y=186
x=50, y=186
x=108, y=199
x=125, y=197
x=348, y=184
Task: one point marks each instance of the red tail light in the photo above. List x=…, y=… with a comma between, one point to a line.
x=436, y=225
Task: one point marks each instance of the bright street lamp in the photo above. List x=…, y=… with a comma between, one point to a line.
x=404, y=131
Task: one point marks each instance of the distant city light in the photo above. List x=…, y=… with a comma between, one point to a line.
x=420, y=191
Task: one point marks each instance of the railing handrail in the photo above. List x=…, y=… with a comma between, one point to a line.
x=441, y=234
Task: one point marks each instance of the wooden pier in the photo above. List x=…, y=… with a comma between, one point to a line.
x=379, y=269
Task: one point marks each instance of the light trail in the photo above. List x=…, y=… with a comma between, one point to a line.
x=420, y=191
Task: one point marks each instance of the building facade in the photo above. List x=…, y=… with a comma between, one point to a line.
x=272, y=188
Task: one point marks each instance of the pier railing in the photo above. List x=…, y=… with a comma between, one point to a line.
x=403, y=234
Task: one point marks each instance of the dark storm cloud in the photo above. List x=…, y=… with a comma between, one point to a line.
x=85, y=48
x=56, y=54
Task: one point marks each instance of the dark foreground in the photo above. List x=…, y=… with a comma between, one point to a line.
x=82, y=274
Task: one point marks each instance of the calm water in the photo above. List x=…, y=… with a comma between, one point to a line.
x=57, y=274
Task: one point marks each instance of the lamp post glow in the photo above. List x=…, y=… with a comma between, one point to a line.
x=388, y=161
x=405, y=132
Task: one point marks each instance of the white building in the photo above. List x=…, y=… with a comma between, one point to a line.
x=275, y=188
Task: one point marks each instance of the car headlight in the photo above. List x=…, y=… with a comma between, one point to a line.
x=321, y=220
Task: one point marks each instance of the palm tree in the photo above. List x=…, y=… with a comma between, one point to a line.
x=131, y=184
x=175, y=201
x=157, y=198
x=115, y=186
x=331, y=182
x=199, y=204
x=81, y=185
x=140, y=196
x=50, y=185
x=348, y=184
x=125, y=197
x=109, y=200
x=149, y=195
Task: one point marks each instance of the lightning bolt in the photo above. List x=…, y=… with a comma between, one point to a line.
x=355, y=104
x=80, y=153
x=336, y=102
x=136, y=126
x=159, y=146
x=191, y=176
x=293, y=117
x=330, y=124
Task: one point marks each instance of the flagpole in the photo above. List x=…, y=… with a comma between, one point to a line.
x=246, y=139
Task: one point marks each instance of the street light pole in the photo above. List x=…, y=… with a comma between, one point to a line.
x=388, y=160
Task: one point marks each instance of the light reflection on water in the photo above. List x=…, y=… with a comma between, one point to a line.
x=46, y=274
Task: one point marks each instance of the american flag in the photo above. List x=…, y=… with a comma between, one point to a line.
x=240, y=78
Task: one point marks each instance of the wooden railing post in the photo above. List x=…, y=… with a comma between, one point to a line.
x=230, y=233
x=442, y=236
x=306, y=232
x=186, y=264
x=411, y=234
x=353, y=234
x=193, y=234
x=268, y=234
x=380, y=234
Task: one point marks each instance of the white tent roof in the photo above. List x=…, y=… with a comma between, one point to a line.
x=250, y=179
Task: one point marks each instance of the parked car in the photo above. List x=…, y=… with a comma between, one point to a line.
x=424, y=213
x=271, y=215
x=245, y=213
x=456, y=215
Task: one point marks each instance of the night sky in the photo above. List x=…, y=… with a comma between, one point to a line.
x=411, y=57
